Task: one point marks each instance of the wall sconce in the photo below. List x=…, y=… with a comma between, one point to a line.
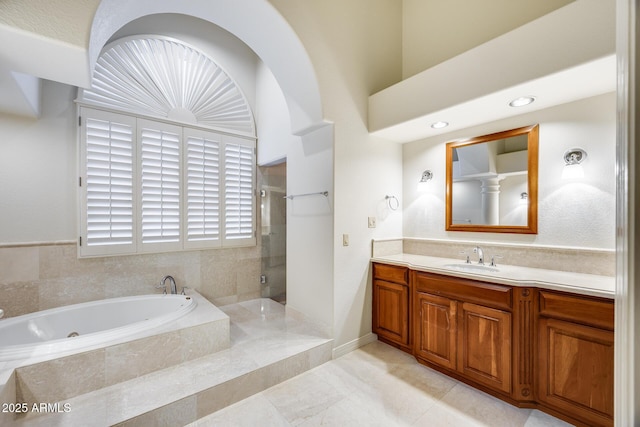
x=524, y=198
x=572, y=163
x=426, y=176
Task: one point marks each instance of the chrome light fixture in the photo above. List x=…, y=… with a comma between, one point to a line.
x=522, y=101
x=427, y=175
x=439, y=125
x=572, y=163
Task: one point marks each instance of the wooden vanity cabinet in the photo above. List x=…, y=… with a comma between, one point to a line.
x=436, y=330
x=391, y=305
x=465, y=327
x=575, y=356
x=531, y=347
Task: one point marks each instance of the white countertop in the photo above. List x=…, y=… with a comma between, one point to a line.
x=583, y=284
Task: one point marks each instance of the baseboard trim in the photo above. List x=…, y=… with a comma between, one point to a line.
x=354, y=345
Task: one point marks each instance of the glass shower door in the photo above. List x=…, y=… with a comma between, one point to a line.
x=273, y=274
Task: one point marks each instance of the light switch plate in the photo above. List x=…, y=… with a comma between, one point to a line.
x=345, y=240
x=372, y=222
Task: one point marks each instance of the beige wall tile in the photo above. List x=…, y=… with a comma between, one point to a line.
x=8, y=395
x=249, y=277
x=61, y=261
x=60, y=379
x=135, y=358
x=220, y=302
x=219, y=278
x=204, y=339
x=587, y=261
x=42, y=277
x=70, y=290
x=282, y=370
x=19, y=264
x=225, y=394
x=19, y=298
x=175, y=414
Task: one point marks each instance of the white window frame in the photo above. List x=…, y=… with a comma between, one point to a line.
x=184, y=132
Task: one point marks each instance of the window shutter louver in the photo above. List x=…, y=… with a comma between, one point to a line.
x=108, y=152
x=160, y=182
x=238, y=190
x=202, y=188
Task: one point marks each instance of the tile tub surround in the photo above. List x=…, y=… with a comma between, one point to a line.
x=269, y=344
x=35, y=277
x=580, y=260
x=203, y=331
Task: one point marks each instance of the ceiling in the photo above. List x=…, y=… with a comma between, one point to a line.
x=582, y=81
x=540, y=59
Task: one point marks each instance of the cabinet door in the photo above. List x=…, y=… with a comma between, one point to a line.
x=576, y=370
x=484, y=346
x=391, y=311
x=436, y=329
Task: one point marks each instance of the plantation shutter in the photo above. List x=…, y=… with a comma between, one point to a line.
x=202, y=202
x=159, y=185
x=239, y=189
x=107, y=180
x=150, y=186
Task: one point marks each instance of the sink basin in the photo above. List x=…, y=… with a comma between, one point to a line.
x=472, y=268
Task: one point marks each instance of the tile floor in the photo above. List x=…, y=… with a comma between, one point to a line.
x=376, y=385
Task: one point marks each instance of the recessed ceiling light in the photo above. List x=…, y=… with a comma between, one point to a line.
x=439, y=125
x=522, y=101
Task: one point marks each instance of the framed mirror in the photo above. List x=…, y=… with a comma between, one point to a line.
x=492, y=183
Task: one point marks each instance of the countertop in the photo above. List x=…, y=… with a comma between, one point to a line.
x=578, y=283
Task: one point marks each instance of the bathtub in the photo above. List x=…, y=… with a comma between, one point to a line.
x=87, y=324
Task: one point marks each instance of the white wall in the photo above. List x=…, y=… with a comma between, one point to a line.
x=309, y=219
x=426, y=23
x=38, y=171
x=272, y=119
x=355, y=48
x=574, y=214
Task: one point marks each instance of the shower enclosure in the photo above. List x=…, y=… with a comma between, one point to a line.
x=273, y=209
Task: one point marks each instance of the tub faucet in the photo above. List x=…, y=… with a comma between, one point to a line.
x=172, y=281
x=478, y=250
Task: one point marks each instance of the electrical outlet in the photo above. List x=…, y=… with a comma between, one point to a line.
x=345, y=240
x=372, y=222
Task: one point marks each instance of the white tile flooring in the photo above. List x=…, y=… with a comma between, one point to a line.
x=376, y=385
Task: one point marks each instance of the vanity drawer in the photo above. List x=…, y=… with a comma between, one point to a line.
x=391, y=273
x=588, y=311
x=487, y=294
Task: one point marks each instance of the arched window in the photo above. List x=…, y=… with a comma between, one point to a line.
x=167, y=152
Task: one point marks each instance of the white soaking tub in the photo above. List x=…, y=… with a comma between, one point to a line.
x=79, y=326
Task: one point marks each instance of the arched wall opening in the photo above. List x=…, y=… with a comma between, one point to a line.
x=256, y=22
x=289, y=119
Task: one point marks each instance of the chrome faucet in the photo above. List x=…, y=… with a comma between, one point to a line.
x=172, y=281
x=478, y=250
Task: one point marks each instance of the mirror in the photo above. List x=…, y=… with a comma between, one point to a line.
x=492, y=183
